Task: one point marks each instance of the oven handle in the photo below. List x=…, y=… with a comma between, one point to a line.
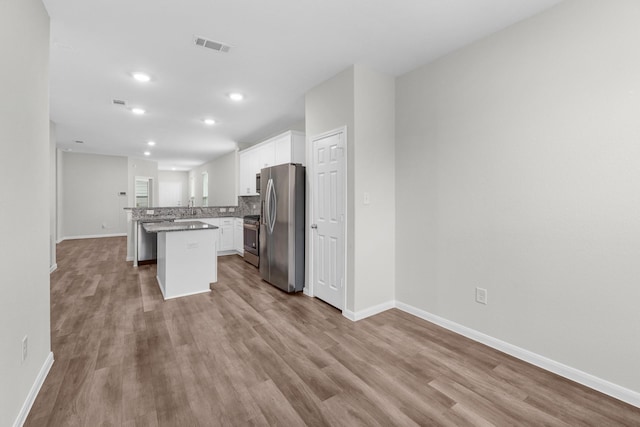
x=250, y=226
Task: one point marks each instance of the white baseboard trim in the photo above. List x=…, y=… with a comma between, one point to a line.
x=603, y=386
x=53, y=268
x=129, y=258
x=368, y=312
x=188, y=294
x=33, y=393
x=93, y=236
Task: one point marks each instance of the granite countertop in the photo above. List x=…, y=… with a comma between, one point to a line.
x=159, y=227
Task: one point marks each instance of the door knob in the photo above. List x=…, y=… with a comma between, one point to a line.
x=314, y=226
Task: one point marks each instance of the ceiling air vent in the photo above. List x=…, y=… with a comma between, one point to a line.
x=118, y=102
x=210, y=44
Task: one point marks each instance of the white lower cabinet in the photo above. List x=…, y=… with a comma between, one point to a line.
x=238, y=235
x=226, y=234
x=230, y=236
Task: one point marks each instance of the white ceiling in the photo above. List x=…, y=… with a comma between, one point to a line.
x=280, y=50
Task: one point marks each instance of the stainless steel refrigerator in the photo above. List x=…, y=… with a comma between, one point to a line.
x=282, y=226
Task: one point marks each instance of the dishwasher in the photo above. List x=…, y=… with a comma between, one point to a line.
x=148, y=242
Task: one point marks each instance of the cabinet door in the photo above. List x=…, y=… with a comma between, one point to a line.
x=248, y=166
x=226, y=233
x=238, y=237
x=226, y=237
x=267, y=156
x=283, y=149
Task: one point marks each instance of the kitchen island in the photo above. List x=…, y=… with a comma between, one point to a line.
x=187, y=257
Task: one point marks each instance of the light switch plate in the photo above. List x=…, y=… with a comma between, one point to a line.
x=367, y=198
x=481, y=296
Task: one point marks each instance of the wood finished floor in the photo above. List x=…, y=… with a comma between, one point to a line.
x=248, y=354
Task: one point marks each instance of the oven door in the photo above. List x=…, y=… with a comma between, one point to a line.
x=251, y=238
x=252, y=243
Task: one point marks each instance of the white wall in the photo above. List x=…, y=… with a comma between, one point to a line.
x=330, y=106
x=143, y=168
x=59, y=195
x=24, y=205
x=362, y=100
x=53, y=191
x=374, y=173
x=223, y=180
x=517, y=171
x=171, y=179
x=92, y=205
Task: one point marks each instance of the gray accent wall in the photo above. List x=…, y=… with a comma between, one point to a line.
x=92, y=204
x=517, y=171
x=24, y=205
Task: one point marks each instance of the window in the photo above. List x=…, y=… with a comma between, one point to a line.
x=205, y=189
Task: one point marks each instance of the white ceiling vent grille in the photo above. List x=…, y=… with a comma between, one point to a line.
x=210, y=44
x=119, y=102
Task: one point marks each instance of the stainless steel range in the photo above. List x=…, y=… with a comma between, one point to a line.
x=252, y=239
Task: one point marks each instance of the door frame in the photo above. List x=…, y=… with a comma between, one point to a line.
x=308, y=289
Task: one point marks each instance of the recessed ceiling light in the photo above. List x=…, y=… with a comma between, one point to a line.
x=209, y=122
x=236, y=96
x=151, y=143
x=141, y=77
x=147, y=153
x=138, y=111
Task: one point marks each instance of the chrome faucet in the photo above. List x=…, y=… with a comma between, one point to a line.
x=191, y=206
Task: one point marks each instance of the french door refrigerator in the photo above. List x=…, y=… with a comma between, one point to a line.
x=282, y=226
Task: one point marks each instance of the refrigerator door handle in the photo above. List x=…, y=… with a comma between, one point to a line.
x=272, y=203
x=267, y=204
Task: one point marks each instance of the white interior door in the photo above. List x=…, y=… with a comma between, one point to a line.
x=328, y=218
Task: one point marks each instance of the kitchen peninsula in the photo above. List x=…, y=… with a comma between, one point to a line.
x=227, y=218
x=187, y=257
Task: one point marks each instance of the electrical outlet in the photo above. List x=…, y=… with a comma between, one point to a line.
x=481, y=296
x=25, y=347
x=232, y=209
x=104, y=225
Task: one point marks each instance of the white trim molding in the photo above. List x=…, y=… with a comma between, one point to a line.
x=33, y=393
x=53, y=268
x=368, y=312
x=603, y=386
x=93, y=236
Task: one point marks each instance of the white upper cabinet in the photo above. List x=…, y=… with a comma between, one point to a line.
x=288, y=147
x=267, y=156
x=249, y=162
